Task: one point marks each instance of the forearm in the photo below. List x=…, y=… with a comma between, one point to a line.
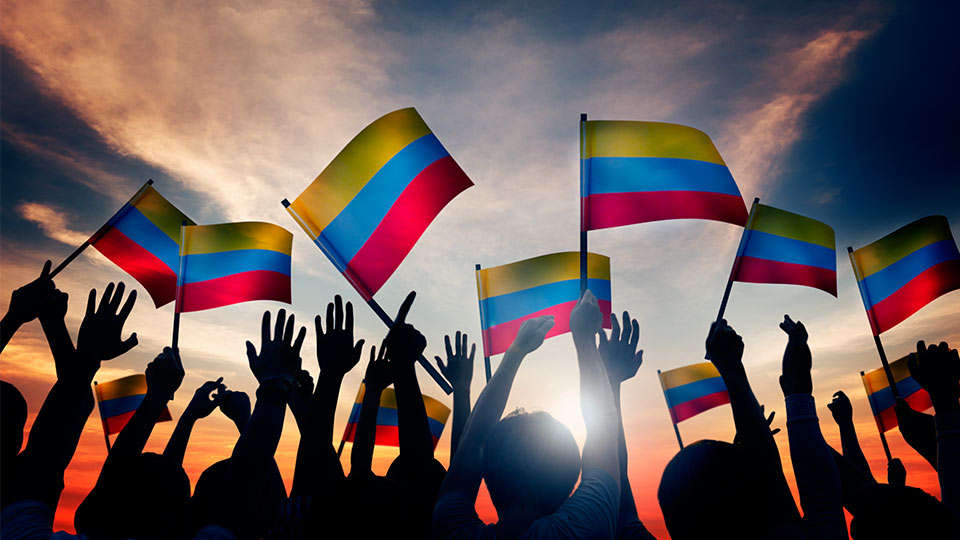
x=133, y=437
x=461, y=410
x=415, y=439
x=601, y=448
x=628, y=506
x=948, y=455
x=8, y=327
x=61, y=345
x=316, y=458
x=851, y=448
x=364, y=439
x=177, y=445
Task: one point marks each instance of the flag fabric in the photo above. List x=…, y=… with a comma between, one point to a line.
x=906, y=270
x=881, y=398
x=388, y=431
x=693, y=389
x=119, y=399
x=783, y=247
x=143, y=239
x=545, y=285
x=372, y=203
x=234, y=262
x=635, y=172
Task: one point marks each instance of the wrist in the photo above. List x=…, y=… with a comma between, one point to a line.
x=945, y=403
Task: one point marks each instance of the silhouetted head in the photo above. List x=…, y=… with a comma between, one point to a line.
x=886, y=511
x=706, y=491
x=530, y=460
x=212, y=490
x=143, y=498
x=13, y=409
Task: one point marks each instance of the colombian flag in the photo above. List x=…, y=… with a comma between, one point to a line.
x=693, y=389
x=143, y=239
x=634, y=172
x=881, y=397
x=783, y=247
x=119, y=399
x=545, y=285
x=372, y=203
x=906, y=270
x=234, y=262
x=388, y=431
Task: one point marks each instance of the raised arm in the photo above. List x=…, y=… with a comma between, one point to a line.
x=376, y=378
x=24, y=306
x=459, y=371
x=235, y=405
x=202, y=404
x=842, y=412
x=919, y=430
x=405, y=344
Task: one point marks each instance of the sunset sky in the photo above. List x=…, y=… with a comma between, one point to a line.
x=844, y=113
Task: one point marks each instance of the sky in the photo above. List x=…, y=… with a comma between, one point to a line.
x=845, y=113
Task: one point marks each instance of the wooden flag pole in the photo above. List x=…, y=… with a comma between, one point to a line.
x=675, y=428
x=876, y=337
x=96, y=395
x=883, y=438
x=583, y=205
x=444, y=385
x=177, y=301
x=736, y=263
x=486, y=359
x=100, y=232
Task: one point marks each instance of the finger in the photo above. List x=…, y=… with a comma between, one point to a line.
x=614, y=329
x=473, y=351
x=288, y=330
x=458, y=346
x=45, y=273
x=298, y=343
x=127, y=306
x=639, y=358
x=91, y=302
x=624, y=327
x=383, y=350
x=338, y=312
x=373, y=353
x=348, y=322
x=441, y=366
x=358, y=349
x=635, y=334
x=128, y=344
x=105, y=299
x=278, y=326
x=775, y=431
x=117, y=296
x=264, y=328
x=836, y=395
x=603, y=335
x=405, y=308
x=912, y=366
x=770, y=418
x=329, y=320
x=251, y=352
x=318, y=326
x=446, y=343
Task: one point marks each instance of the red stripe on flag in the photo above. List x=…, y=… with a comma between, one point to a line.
x=386, y=435
x=754, y=270
x=934, y=282
x=115, y=424
x=606, y=210
x=500, y=337
x=919, y=401
x=143, y=266
x=235, y=288
x=689, y=409
x=404, y=224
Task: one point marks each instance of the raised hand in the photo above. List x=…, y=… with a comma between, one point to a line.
x=27, y=301
x=797, y=360
x=378, y=376
x=841, y=409
x=337, y=354
x=405, y=342
x=164, y=374
x=299, y=400
x=279, y=356
x=203, y=403
x=918, y=429
x=100, y=336
x=896, y=473
x=937, y=369
x=235, y=405
x=724, y=347
x=585, y=318
x=531, y=334
x=619, y=353
x=459, y=367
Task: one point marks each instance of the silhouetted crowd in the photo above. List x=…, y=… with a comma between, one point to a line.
x=540, y=483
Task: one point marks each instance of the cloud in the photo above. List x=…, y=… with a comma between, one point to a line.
x=53, y=222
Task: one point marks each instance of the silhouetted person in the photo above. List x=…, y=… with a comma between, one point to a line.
x=918, y=429
x=530, y=462
x=842, y=412
x=459, y=371
x=13, y=409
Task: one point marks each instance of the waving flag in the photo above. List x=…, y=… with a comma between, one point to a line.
x=143, y=239
x=388, y=431
x=234, y=262
x=634, y=172
x=906, y=270
x=372, y=203
x=783, y=247
x=881, y=397
x=693, y=389
x=545, y=285
x=119, y=399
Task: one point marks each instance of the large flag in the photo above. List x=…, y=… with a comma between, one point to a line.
x=545, y=285
x=143, y=239
x=881, y=398
x=691, y=390
x=234, y=262
x=634, y=172
x=119, y=399
x=388, y=431
x=783, y=247
x=906, y=270
x=372, y=203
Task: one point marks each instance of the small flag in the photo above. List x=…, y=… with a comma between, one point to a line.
x=119, y=399
x=635, y=172
x=388, y=431
x=372, y=203
x=881, y=398
x=234, y=262
x=906, y=270
x=545, y=285
x=783, y=247
x=693, y=389
x=143, y=239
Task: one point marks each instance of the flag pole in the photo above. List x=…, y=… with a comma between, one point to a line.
x=177, y=302
x=883, y=438
x=675, y=428
x=343, y=440
x=873, y=324
x=96, y=395
x=483, y=340
x=583, y=205
x=100, y=232
x=432, y=371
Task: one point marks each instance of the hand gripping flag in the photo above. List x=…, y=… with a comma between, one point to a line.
x=119, y=399
x=372, y=203
x=388, y=426
x=880, y=395
x=691, y=390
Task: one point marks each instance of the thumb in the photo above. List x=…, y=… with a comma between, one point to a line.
x=128, y=344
